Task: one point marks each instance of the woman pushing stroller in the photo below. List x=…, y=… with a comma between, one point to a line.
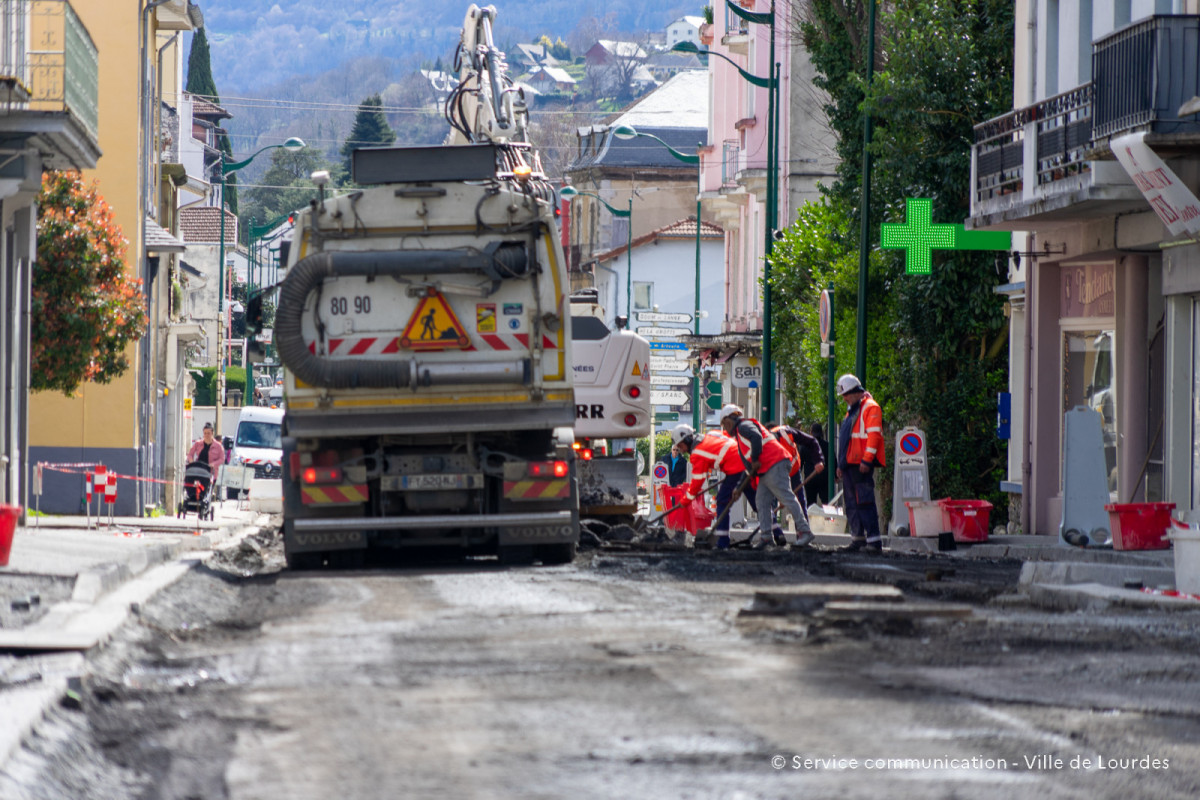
x=207, y=450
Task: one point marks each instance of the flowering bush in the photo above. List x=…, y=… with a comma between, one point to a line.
x=85, y=309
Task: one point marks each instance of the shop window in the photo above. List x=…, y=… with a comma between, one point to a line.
x=1088, y=380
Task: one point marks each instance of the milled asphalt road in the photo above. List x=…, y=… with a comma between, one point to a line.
x=622, y=675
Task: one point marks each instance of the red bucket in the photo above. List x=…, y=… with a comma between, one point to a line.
x=1139, y=526
x=8, y=525
x=968, y=519
x=689, y=517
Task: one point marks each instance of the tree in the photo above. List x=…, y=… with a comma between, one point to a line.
x=370, y=129
x=292, y=170
x=200, y=82
x=936, y=344
x=85, y=309
x=199, y=77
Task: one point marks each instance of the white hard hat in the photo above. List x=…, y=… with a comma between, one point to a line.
x=848, y=383
x=681, y=432
x=731, y=410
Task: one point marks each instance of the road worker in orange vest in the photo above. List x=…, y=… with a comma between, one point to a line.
x=770, y=462
x=715, y=450
x=859, y=452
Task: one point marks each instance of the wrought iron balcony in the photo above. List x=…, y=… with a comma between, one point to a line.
x=1143, y=73
x=48, y=62
x=1045, y=158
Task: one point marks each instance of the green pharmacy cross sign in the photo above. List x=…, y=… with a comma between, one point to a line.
x=919, y=237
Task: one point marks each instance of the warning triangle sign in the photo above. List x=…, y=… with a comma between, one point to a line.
x=637, y=371
x=433, y=326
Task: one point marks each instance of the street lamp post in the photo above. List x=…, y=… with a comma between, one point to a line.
x=628, y=132
x=569, y=193
x=291, y=144
x=771, y=84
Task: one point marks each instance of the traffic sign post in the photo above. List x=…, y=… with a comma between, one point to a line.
x=827, y=351
x=668, y=346
x=910, y=481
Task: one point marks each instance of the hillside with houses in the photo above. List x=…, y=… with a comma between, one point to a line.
x=565, y=85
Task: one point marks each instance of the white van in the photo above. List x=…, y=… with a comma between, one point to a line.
x=258, y=443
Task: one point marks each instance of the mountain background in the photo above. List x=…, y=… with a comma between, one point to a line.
x=300, y=67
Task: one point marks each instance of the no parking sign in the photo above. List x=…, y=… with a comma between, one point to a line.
x=911, y=477
x=660, y=480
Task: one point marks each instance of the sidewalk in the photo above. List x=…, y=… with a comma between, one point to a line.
x=68, y=587
x=59, y=569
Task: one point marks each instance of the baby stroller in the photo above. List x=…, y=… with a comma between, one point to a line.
x=197, y=490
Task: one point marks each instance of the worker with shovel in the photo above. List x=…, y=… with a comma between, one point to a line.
x=715, y=450
x=766, y=459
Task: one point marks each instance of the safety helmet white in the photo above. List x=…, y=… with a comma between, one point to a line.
x=848, y=383
x=681, y=432
x=731, y=410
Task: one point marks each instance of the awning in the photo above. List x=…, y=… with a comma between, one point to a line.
x=159, y=240
x=1173, y=202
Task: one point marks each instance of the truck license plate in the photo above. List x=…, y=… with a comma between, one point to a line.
x=426, y=482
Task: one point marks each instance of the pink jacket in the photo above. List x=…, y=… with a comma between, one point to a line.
x=216, y=454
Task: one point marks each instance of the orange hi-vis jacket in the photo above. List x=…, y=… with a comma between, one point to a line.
x=786, y=440
x=716, y=449
x=772, y=451
x=866, y=436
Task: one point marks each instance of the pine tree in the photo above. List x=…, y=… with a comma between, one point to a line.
x=370, y=129
x=200, y=82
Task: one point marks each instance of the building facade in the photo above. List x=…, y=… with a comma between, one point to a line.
x=734, y=166
x=1103, y=285
x=49, y=121
x=139, y=62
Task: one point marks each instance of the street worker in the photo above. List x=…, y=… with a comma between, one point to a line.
x=677, y=464
x=860, y=451
x=207, y=450
x=715, y=450
x=768, y=460
x=817, y=489
x=809, y=461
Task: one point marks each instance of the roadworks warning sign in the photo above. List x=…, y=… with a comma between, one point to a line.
x=433, y=326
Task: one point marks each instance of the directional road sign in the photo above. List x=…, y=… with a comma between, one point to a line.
x=667, y=398
x=668, y=364
x=670, y=380
x=667, y=416
x=654, y=316
x=668, y=346
x=663, y=331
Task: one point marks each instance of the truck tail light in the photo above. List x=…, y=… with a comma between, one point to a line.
x=631, y=420
x=548, y=469
x=322, y=475
x=634, y=392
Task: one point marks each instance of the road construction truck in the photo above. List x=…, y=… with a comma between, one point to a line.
x=424, y=326
x=612, y=409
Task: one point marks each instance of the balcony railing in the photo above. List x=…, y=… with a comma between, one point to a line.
x=729, y=163
x=45, y=49
x=1144, y=72
x=1061, y=128
x=735, y=25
